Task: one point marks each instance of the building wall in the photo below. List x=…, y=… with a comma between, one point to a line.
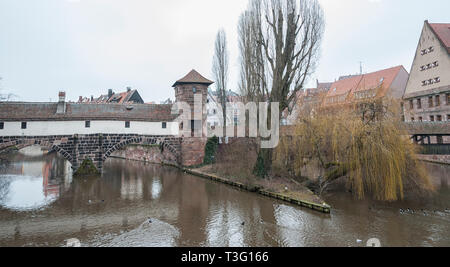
x=416, y=92
x=48, y=128
x=440, y=54
x=398, y=86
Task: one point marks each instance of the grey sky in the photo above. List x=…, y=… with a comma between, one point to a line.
x=88, y=46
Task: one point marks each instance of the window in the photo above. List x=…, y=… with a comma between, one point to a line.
x=447, y=96
x=87, y=124
x=419, y=103
x=439, y=118
x=431, y=118
x=411, y=104
x=412, y=118
x=438, y=101
x=2, y=125
x=430, y=102
x=420, y=119
x=164, y=125
x=194, y=90
x=127, y=124
x=181, y=126
x=24, y=125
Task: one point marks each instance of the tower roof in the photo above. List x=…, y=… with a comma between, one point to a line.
x=193, y=77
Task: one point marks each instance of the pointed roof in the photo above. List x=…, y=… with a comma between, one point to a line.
x=193, y=77
x=442, y=31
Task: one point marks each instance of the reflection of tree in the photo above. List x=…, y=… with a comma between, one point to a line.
x=4, y=187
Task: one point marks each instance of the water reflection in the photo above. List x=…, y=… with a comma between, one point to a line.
x=33, y=182
x=134, y=204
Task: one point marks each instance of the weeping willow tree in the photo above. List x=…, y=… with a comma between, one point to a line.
x=364, y=144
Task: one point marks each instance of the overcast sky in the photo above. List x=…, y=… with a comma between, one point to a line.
x=85, y=47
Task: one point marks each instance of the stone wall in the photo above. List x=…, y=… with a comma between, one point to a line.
x=193, y=151
x=146, y=153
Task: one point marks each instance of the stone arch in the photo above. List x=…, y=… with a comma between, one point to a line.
x=142, y=140
x=66, y=155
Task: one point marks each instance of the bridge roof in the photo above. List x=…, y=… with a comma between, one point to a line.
x=21, y=111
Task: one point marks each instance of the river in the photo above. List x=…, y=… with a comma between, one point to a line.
x=137, y=204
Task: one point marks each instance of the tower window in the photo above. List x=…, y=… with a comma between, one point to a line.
x=24, y=125
x=194, y=90
x=419, y=103
x=438, y=100
x=87, y=124
x=127, y=124
x=2, y=125
x=430, y=102
x=164, y=125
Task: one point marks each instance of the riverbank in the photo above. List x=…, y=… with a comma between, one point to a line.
x=273, y=188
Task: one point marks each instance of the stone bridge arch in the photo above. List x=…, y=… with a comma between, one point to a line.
x=96, y=147
x=163, y=143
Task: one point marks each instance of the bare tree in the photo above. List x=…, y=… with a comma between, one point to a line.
x=289, y=32
x=220, y=72
x=280, y=44
x=253, y=68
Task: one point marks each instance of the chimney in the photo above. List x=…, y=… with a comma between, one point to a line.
x=80, y=99
x=110, y=93
x=92, y=98
x=128, y=89
x=61, y=108
x=62, y=96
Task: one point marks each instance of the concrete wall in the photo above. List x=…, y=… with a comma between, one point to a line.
x=48, y=128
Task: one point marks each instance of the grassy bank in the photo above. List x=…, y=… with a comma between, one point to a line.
x=234, y=167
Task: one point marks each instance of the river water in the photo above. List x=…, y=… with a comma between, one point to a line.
x=137, y=204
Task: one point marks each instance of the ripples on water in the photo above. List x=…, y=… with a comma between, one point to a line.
x=41, y=205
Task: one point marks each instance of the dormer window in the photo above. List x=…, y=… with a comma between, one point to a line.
x=194, y=90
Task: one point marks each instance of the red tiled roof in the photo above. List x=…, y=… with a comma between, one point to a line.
x=344, y=86
x=375, y=79
x=20, y=111
x=363, y=82
x=193, y=77
x=442, y=31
